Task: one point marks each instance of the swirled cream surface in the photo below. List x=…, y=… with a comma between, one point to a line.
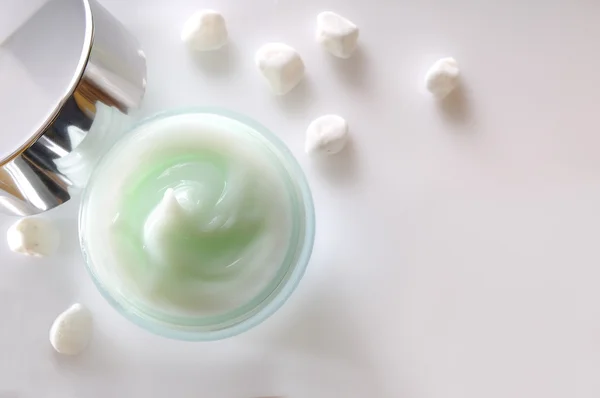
x=189, y=214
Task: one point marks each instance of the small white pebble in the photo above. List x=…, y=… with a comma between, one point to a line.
x=281, y=66
x=336, y=34
x=205, y=30
x=326, y=135
x=71, y=332
x=442, y=77
x=33, y=236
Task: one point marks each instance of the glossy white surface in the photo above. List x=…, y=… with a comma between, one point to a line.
x=15, y=13
x=456, y=252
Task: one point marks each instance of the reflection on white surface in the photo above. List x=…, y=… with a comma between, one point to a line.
x=15, y=13
x=109, y=124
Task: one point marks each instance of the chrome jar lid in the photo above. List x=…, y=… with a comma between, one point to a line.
x=65, y=65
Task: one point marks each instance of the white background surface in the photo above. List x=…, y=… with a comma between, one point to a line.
x=457, y=246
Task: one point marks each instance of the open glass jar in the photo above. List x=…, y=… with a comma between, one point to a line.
x=198, y=224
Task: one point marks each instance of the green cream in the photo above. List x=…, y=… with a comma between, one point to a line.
x=191, y=215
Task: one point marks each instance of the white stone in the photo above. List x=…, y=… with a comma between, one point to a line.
x=442, y=77
x=33, y=236
x=337, y=34
x=205, y=30
x=71, y=332
x=326, y=135
x=281, y=65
